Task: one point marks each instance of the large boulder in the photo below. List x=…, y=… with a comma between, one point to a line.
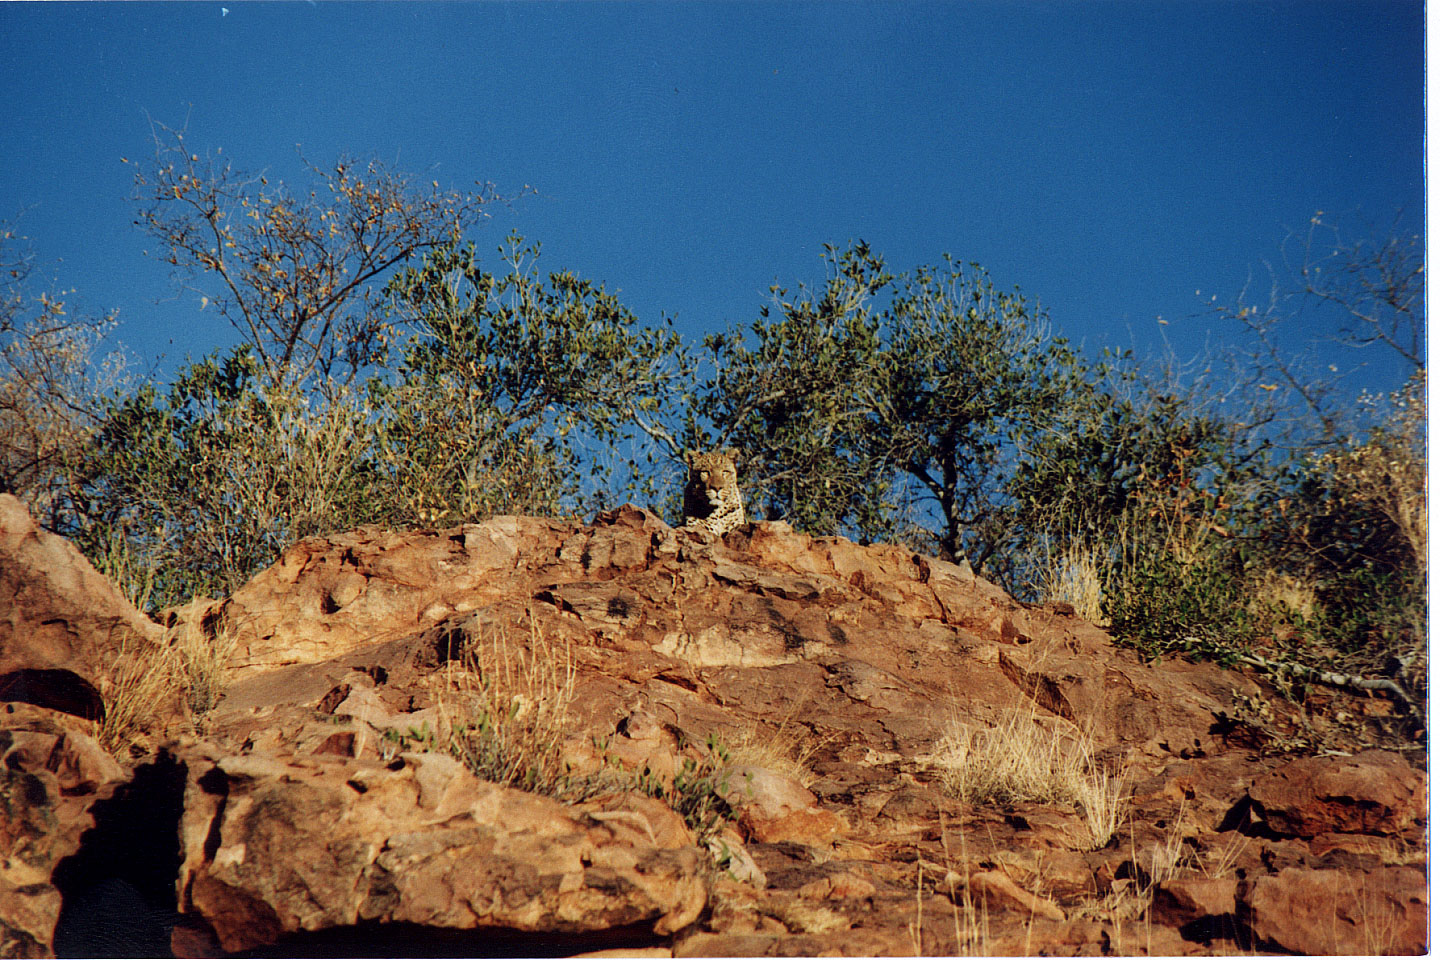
x=50, y=777
x=279, y=847
x=1385, y=910
x=326, y=597
x=1374, y=792
x=64, y=628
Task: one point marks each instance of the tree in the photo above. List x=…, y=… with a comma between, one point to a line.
x=297, y=274
x=880, y=402
x=797, y=395
x=52, y=384
x=507, y=380
x=1376, y=287
x=1352, y=519
x=973, y=376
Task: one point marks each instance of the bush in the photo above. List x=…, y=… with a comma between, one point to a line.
x=196, y=488
x=1361, y=524
x=506, y=382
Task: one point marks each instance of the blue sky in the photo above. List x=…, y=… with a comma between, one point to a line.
x=1110, y=159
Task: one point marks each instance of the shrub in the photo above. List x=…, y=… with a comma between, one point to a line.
x=197, y=488
x=506, y=710
x=506, y=383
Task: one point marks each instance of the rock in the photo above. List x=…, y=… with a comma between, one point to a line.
x=64, y=628
x=837, y=886
x=1372, y=792
x=772, y=808
x=800, y=916
x=32, y=841
x=51, y=775
x=324, y=811
x=310, y=845
x=326, y=597
x=1370, y=912
x=731, y=856
x=994, y=889
x=1178, y=902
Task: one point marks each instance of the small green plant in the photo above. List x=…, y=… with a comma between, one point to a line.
x=696, y=791
x=505, y=710
x=418, y=739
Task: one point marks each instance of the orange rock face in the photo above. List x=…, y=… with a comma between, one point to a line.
x=751, y=746
x=63, y=627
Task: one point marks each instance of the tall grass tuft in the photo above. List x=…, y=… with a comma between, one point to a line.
x=1021, y=759
x=144, y=685
x=506, y=711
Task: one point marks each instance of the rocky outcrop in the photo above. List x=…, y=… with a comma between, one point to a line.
x=748, y=744
x=50, y=776
x=1374, y=792
x=275, y=848
x=1379, y=911
x=64, y=628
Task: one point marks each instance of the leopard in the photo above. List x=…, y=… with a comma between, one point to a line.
x=712, y=497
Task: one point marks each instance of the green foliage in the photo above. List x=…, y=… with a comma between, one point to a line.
x=1115, y=437
x=196, y=486
x=696, y=791
x=504, y=382
x=881, y=400
x=798, y=396
x=1162, y=604
x=1358, y=527
x=386, y=377
x=207, y=480
x=973, y=377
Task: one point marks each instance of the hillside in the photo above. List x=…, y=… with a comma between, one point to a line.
x=768, y=744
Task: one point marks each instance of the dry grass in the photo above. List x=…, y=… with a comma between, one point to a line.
x=123, y=565
x=1221, y=863
x=505, y=710
x=1128, y=905
x=971, y=925
x=1127, y=909
x=1389, y=470
x=145, y=684
x=1022, y=759
x=1073, y=577
x=785, y=749
x=150, y=682
x=1279, y=591
x=204, y=657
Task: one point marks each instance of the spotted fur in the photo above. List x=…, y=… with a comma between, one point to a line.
x=712, y=497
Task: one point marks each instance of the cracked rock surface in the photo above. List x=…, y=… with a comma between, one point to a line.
x=315, y=807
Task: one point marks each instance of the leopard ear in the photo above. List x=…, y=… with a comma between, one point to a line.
x=690, y=456
x=731, y=453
